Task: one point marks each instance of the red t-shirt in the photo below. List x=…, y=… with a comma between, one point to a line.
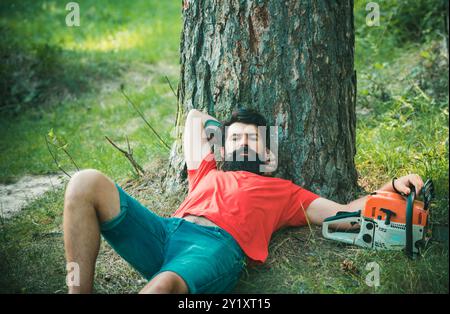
x=248, y=206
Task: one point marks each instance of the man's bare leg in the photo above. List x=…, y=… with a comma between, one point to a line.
x=90, y=198
x=166, y=282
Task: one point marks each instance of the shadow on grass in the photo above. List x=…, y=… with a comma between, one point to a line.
x=35, y=76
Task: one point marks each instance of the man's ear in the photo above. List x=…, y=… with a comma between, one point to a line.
x=222, y=152
x=268, y=154
x=271, y=163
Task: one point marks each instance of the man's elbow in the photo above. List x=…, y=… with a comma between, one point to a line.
x=193, y=113
x=192, y=117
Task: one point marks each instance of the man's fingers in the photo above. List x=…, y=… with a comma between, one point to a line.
x=419, y=187
x=406, y=181
x=416, y=180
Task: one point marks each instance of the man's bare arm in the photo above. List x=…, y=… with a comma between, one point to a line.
x=322, y=208
x=195, y=143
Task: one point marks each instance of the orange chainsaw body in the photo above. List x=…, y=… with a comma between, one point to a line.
x=395, y=203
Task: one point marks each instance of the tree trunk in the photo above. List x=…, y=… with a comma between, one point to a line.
x=294, y=62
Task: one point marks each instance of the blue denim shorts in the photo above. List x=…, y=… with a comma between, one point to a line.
x=207, y=258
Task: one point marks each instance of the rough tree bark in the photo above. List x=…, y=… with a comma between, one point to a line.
x=292, y=60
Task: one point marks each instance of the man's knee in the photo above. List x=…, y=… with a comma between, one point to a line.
x=90, y=188
x=165, y=283
x=82, y=185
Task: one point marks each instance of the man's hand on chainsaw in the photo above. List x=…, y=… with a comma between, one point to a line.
x=403, y=184
x=321, y=208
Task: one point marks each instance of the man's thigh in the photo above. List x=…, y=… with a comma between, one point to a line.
x=208, y=259
x=137, y=235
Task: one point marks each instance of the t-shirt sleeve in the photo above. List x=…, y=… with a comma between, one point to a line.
x=295, y=212
x=195, y=175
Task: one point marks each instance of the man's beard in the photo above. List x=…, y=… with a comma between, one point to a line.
x=232, y=163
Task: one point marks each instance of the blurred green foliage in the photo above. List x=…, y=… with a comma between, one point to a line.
x=402, y=94
x=44, y=59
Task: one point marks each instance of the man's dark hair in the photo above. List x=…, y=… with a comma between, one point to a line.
x=247, y=116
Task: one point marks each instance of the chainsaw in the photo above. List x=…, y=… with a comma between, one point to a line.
x=388, y=221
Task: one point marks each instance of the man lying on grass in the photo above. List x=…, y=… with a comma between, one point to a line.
x=227, y=218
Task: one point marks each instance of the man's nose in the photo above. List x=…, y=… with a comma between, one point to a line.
x=244, y=140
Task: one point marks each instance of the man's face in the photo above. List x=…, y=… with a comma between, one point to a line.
x=240, y=134
x=244, y=148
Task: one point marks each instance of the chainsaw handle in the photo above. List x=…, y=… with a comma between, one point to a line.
x=409, y=222
x=428, y=193
x=345, y=237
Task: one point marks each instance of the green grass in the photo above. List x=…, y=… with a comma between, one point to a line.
x=402, y=127
x=44, y=61
x=302, y=262
x=84, y=123
x=118, y=43
x=93, y=54
x=144, y=31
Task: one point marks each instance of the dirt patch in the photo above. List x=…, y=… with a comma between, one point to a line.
x=15, y=196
